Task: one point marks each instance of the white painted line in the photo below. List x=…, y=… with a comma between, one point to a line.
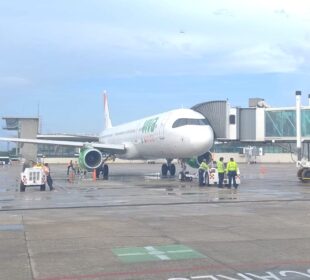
x=163, y=257
x=181, y=251
x=131, y=254
x=159, y=254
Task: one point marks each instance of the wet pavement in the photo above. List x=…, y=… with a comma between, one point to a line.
x=138, y=225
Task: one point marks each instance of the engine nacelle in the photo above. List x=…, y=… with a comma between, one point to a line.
x=90, y=158
x=195, y=161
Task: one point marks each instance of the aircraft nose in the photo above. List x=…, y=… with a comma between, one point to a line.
x=203, y=139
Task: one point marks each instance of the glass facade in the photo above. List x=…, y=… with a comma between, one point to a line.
x=57, y=151
x=237, y=147
x=283, y=123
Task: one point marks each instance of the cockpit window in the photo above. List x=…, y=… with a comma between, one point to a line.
x=183, y=121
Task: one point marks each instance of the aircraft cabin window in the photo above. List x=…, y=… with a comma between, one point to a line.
x=184, y=121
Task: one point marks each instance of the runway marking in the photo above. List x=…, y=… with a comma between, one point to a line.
x=12, y=227
x=285, y=274
x=10, y=208
x=155, y=253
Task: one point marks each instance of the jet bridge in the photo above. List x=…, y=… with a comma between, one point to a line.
x=256, y=123
x=223, y=119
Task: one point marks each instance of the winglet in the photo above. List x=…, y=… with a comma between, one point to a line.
x=107, y=119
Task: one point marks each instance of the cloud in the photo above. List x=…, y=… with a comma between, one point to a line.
x=144, y=37
x=266, y=59
x=282, y=12
x=14, y=82
x=223, y=12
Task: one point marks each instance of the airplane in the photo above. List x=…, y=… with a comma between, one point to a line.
x=178, y=134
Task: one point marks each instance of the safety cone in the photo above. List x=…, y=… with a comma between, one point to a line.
x=263, y=170
x=94, y=175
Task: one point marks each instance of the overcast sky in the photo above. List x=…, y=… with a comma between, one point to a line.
x=151, y=56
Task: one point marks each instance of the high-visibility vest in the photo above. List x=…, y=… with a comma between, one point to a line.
x=204, y=166
x=220, y=167
x=232, y=166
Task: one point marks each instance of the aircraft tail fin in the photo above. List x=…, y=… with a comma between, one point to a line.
x=107, y=120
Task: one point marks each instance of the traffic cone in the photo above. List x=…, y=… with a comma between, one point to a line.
x=94, y=175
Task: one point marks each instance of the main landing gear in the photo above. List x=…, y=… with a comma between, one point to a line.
x=104, y=170
x=168, y=167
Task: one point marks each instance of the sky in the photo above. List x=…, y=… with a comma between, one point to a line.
x=58, y=56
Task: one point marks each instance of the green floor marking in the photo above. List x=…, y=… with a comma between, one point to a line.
x=156, y=253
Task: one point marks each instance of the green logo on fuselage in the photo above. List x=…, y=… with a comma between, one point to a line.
x=149, y=125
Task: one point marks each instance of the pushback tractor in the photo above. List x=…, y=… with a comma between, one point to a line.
x=33, y=177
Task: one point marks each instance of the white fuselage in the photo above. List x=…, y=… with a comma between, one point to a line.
x=179, y=134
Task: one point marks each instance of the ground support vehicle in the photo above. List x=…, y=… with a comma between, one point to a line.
x=303, y=172
x=214, y=177
x=186, y=176
x=33, y=177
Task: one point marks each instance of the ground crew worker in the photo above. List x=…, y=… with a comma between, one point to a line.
x=232, y=168
x=49, y=179
x=77, y=167
x=221, y=171
x=203, y=173
x=70, y=166
x=182, y=175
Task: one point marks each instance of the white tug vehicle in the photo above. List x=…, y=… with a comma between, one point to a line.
x=33, y=177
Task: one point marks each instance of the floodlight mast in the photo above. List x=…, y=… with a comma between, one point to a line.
x=298, y=125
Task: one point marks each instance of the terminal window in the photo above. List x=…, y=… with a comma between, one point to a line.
x=283, y=123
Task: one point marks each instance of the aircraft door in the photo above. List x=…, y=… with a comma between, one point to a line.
x=162, y=128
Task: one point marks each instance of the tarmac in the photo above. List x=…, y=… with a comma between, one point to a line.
x=137, y=225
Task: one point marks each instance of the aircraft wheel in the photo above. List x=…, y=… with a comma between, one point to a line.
x=105, y=172
x=164, y=169
x=305, y=176
x=299, y=173
x=172, y=169
x=42, y=188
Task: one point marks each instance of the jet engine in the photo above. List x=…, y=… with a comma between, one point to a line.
x=195, y=161
x=90, y=158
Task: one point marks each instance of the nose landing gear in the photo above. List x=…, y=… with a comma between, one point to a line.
x=168, y=167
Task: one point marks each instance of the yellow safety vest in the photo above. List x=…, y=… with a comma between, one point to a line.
x=220, y=167
x=232, y=166
x=204, y=166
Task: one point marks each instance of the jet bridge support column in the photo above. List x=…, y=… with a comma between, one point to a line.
x=303, y=172
x=298, y=125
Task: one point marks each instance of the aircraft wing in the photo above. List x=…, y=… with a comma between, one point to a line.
x=68, y=137
x=107, y=148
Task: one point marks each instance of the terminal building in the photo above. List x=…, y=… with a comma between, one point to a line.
x=255, y=133
x=25, y=128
